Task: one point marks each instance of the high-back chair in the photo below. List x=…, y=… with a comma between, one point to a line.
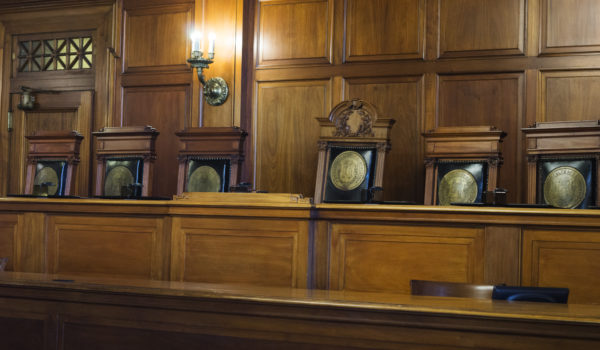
x=126, y=157
x=461, y=163
x=52, y=161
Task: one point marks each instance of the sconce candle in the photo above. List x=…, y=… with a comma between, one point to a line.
x=211, y=44
x=196, y=37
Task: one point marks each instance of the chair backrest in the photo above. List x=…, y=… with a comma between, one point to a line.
x=52, y=163
x=451, y=289
x=126, y=157
x=3, y=262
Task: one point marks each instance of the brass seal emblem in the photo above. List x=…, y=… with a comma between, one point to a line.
x=348, y=170
x=457, y=186
x=564, y=187
x=117, y=177
x=48, y=176
x=204, y=179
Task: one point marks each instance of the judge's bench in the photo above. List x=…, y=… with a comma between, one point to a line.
x=272, y=270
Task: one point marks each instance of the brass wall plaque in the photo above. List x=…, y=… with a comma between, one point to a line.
x=117, y=177
x=204, y=179
x=457, y=186
x=48, y=176
x=348, y=170
x=564, y=187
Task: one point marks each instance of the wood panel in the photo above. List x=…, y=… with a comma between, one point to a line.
x=398, y=98
x=224, y=17
x=157, y=38
x=259, y=252
x=481, y=27
x=122, y=314
x=167, y=109
x=127, y=247
x=502, y=255
x=288, y=242
x=567, y=258
x=287, y=133
x=8, y=239
x=384, y=29
x=54, y=112
x=488, y=99
x=385, y=259
x=569, y=95
x=5, y=41
x=22, y=331
x=294, y=32
x=31, y=243
x=570, y=26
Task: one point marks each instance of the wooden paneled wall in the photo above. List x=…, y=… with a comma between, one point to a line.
x=74, y=100
x=157, y=87
x=140, y=74
x=426, y=63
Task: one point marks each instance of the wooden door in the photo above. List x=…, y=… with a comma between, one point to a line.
x=53, y=112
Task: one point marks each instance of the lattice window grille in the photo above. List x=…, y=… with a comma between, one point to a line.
x=56, y=54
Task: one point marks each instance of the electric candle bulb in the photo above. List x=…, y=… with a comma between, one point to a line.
x=211, y=43
x=196, y=36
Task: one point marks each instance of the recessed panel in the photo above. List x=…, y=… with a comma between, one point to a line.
x=563, y=259
x=23, y=332
x=570, y=96
x=223, y=257
x=384, y=29
x=287, y=134
x=294, y=32
x=487, y=99
x=570, y=26
x=157, y=38
x=385, y=259
x=107, y=246
x=259, y=252
x=8, y=227
x=481, y=27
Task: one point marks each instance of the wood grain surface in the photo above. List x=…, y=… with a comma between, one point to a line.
x=39, y=310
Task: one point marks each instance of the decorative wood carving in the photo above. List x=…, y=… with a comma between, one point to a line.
x=353, y=119
x=461, y=144
x=211, y=143
x=352, y=124
x=53, y=145
x=122, y=142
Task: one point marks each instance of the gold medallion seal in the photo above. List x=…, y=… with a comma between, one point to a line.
x=204, y=179
x=564, y=187
x=457, y=186
x=348, y=170
x=47, y=175
x=117, y=177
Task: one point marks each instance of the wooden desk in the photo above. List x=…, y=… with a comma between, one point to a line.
x=66, y=312
x=300, y=245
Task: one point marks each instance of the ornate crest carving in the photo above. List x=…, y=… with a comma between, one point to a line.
x=353, y=118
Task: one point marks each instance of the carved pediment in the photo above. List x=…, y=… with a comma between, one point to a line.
x=354, y=118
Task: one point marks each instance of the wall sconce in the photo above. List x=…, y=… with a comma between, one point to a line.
x=27, y=100
x=216, y=90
